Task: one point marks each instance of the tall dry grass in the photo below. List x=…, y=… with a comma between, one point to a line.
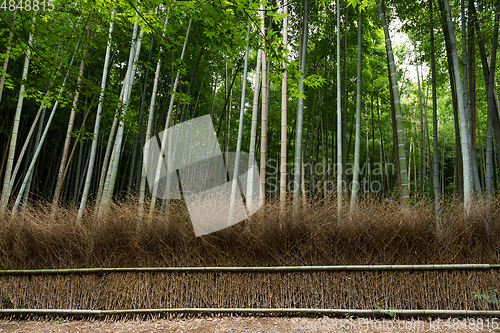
x=379, y=232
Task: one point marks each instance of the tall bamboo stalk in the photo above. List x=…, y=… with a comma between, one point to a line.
x=8, y=179
x=6, y=59
x=43, y=107
x=253, y=132
x=283, y=157
x=340, y=172
x=109, y=153
x=149, y=130
x=489, y=133
x=490, y=101
x=263, y=129
x=67, y=141
x=93, y=151
x=422, y=132
x=28, y=174
x=486, y=75
x=397, y=105
x=476, y=183
x=345, y=148
x=435, y=168
x=132, y=65
x=8, y=192
x=465, y=81
x=297, y=165
x=164, y=138
x=357, y=145
x=464, y=133
x=138, y=137
x=240, y=130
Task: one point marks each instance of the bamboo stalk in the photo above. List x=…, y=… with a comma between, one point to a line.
x=413, y=312
x=101, y=270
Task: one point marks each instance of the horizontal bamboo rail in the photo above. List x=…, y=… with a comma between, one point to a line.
x=252, y=269
x=415, y=312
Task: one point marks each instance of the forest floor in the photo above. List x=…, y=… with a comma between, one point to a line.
x=246, y=325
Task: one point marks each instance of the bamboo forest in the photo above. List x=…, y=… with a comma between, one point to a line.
x=153, y=152
x=334, y=99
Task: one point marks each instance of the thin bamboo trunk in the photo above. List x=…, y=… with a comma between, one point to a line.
x=465, y=81
x=464, y=133
x=323, y=155
x=8, y=179
x=397, y=106
x=28, y=174
x=185, y=107
x=373, y=133
x=443, y=183
x=6, y=59
x=76, y=192
x=476, y=183
x=253, y=132
x=263, y=129
x=300, y=111
x=197, y=100
x=113, y=167
x=409, y=165
x=164, y=138
x=458, y=167
x=324, y=113
x=93, y=152
x=67, y=141
x=484, y=65
x=132, y=184
x=110, y=152
x=435, y=169
x=340, y=171
x=345, y=154
x=284, y=82
x=422, y=137
x=472, y=76
x=37, y=141
x=6, y=150
x=489, y=134
x=8, y=192
x=357, y=144
x=145, y=156
x=240, y=130
x=80, y=133
x=108, y=155
x=428, y=153
x=395, y=144
x=384, y=155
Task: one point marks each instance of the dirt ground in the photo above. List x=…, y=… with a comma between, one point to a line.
x=251, y=325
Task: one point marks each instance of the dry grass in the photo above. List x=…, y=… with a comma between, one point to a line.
x=380, y=232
